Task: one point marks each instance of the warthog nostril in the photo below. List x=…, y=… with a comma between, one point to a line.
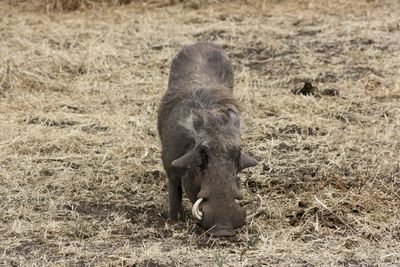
x=196, y=212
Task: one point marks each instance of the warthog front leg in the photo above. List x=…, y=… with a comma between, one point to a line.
x=175, y=200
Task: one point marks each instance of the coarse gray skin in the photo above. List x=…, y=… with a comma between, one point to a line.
x=199, y=128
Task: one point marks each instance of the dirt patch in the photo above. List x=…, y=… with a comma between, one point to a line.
x=310, y=89
x=152, y=263
x=307, y=89
x=93, y=128
x=330, y=92
x=50, y=122
x=148, y=215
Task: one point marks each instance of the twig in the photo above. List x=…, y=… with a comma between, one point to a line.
x=334, y=214
x=205, y=232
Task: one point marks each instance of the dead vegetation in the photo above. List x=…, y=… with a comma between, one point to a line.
x=80, y=176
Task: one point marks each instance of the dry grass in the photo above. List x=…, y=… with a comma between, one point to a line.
x=80, y=176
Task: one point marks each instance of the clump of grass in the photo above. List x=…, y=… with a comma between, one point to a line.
x=219, y=259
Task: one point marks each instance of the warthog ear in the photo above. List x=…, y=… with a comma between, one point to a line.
x=246, y=161
x=198, y=157
x=188, y=160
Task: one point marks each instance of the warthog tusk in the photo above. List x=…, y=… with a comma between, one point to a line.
x=195, y=210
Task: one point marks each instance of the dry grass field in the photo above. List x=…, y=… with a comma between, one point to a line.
x=81, y=181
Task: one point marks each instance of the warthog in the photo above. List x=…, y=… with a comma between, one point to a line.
x=199, y=128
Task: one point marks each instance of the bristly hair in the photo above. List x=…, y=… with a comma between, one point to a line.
x=208, y=118
x=215, y=98
x=212, y=103
x=203, y=98
x=214, y=128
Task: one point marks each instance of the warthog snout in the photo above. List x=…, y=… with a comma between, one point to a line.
x=220, y=218
x=221, y=230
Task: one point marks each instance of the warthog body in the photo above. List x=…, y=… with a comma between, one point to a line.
x=199, y=128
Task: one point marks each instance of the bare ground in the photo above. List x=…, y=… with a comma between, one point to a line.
x=81, y=182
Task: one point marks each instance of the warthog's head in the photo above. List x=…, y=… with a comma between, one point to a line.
x=213, y=164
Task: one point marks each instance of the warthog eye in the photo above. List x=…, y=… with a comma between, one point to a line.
x=204, y=156
x=235, y=153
